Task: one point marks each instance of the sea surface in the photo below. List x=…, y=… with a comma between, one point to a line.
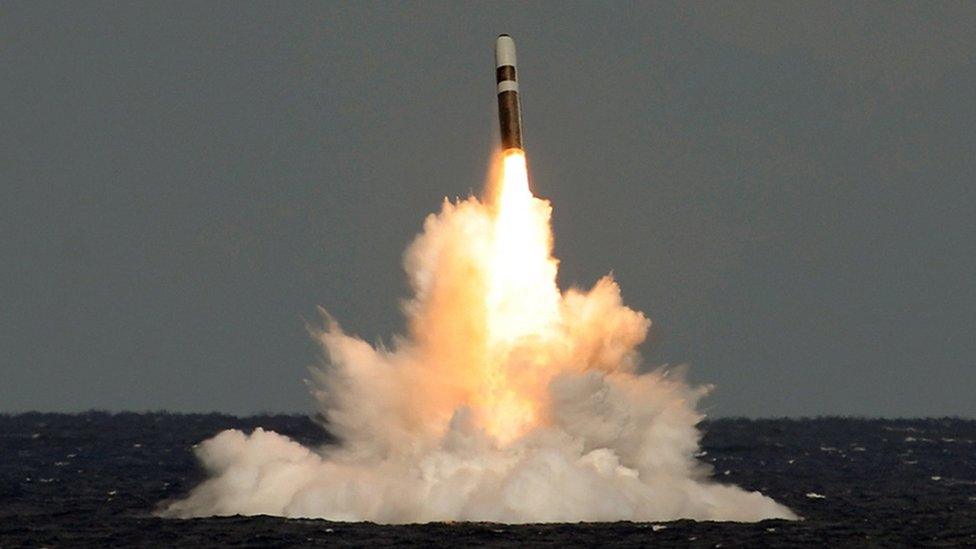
x=94, y=479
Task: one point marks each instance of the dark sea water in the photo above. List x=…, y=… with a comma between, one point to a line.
x=94, y=479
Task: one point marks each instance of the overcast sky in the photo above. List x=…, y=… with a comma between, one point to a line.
x=786, y=190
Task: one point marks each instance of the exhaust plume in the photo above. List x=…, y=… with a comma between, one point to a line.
x=507, y=400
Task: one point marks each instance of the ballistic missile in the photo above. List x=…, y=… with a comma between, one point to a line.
x=509, y=109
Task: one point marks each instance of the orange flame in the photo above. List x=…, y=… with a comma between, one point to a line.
x=522, y=301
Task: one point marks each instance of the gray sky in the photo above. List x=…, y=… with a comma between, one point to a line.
x=785, y=189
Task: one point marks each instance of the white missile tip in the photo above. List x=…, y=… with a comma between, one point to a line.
x=504, y=51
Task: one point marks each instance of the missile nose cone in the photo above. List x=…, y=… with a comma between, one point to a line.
x=504, y=51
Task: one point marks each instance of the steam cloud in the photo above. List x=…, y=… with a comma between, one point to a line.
x=508, y=400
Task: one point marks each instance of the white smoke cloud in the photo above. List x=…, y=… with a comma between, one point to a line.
x=478, y=414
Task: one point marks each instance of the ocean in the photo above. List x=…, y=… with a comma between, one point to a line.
x=95, y=479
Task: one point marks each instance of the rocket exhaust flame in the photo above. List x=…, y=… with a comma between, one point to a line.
x=522, y=300
x=507, y=399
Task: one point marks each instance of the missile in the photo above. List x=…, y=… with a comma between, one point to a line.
x=509, y=109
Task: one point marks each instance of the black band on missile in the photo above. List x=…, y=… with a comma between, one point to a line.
x=504, y=72
x=510, y=120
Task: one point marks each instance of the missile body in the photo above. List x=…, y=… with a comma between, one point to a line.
x=509, y=109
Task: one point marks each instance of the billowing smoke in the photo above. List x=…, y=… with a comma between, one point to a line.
x=507, y=400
